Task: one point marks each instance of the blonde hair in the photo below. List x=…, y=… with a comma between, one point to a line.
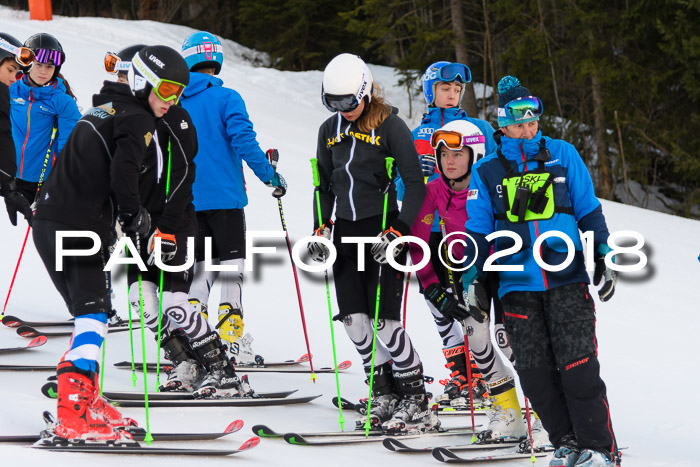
x=375, y=113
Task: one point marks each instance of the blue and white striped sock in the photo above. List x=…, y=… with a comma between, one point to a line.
x=90, y=331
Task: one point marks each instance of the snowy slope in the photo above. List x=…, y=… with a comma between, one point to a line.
x=645, y=332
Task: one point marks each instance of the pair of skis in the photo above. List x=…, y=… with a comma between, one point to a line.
x=447, y=453
x=287, y=366
x=139, y=434
x=330, y=438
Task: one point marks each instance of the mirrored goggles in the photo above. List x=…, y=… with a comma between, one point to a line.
x=54, y=57
x=454, y=140
x=23, y=55
x=344, y=103
x=113, y=64
x=522, y=107
x=454, y=72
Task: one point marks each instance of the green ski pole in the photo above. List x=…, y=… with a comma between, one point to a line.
x=160, y=285
x=389, y=162
x=148, y=438
x=317, y=184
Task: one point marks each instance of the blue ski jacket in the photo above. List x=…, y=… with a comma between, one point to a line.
x=225, y=137
x=576, y=208
x=34, y=111
x=435, y=119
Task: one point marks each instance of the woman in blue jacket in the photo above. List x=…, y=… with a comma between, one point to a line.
x=40, y=102
x=535, y=186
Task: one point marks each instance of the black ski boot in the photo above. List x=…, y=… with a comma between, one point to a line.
x=412, y=415
x=384, y=397
x=221, y=379
x=186, y=373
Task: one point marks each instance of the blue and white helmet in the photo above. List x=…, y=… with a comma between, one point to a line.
x=203, y=50
x=447, y=72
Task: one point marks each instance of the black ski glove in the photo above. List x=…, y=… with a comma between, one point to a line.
x=138, y=223
x=445, y=302
x=604, y=272
x=15, y=202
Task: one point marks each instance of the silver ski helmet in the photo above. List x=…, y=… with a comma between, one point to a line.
x=346, y=81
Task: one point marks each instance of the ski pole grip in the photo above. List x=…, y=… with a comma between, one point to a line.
x=314, y=170
x=389, y=161
x=273, y=156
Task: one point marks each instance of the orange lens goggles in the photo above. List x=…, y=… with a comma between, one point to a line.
x=451, y=139
x=111, y=61
x=24, y=56
x=169, y=90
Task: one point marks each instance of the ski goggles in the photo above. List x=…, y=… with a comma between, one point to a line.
x=454, y=140
x=344, y=103
x=113, y=64
x=23, y=55
x=454, y=72
x=165, y=89
x=54, y=57
x=521, y=108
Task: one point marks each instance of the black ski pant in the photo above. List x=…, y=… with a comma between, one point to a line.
x=82, y=283
x=356, y=291
x=552, y=334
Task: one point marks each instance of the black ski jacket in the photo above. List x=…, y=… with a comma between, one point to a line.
x=8, y=161
x=97, y=173
x=177, y=147
x=353, y=173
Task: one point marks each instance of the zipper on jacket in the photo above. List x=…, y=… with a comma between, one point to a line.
x=26, y=138
x=352, y=180
x=537, y=229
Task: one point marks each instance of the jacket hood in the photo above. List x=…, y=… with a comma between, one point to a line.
x=200, y=82
x=111, y=91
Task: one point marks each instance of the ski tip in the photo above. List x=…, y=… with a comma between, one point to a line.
x=234, y=426
x=11, y=321
x=27, y=331
x=250, y=444
x=265, y=432
x=443, y=455
x=344, y=365
x=295, y=438
x=305, y=358
x=390, y=443
x=37, y=341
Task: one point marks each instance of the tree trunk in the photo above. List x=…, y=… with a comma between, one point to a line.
x=469, y=101
x=604, y=188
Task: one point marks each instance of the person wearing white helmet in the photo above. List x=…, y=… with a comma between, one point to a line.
x=353, y=147
x=458, y=145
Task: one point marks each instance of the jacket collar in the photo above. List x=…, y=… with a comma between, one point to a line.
x=200, y=82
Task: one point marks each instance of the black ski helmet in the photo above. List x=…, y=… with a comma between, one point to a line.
x=10, y=40
x=47, y=42
x=127, y=53
x=154, y=63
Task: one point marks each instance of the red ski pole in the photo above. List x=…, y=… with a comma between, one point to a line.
x=19, y=260
x=273, y=156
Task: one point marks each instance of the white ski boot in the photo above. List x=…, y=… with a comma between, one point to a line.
x=412, y=415
x=505, y=421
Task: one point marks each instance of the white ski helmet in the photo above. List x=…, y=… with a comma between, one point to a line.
x=471, y=137
x=346, y=81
